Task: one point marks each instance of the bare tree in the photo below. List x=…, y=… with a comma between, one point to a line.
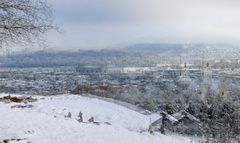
x=24, y=21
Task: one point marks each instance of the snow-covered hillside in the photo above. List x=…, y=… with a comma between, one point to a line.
x=45, y=122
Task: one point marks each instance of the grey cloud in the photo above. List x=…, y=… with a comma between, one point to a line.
x=99, y=23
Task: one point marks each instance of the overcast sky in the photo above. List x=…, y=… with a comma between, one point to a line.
x=107, y=23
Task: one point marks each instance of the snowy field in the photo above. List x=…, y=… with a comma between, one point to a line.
x=46, y=122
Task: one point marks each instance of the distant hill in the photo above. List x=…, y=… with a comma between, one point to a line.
x=137, y=55
x=208, y=51
x=167, y=49
x=59, y=58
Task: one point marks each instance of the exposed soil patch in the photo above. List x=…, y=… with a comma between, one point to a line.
x=16, y=140
x=22, y=99
x=22, y=106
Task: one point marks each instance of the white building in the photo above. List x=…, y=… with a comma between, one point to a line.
x=136, y=69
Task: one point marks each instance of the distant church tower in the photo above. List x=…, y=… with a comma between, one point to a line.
x=184, y=74
x=207, y=79
x=185, y=70
x=207, y=74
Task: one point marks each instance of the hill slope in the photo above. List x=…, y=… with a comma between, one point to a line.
x=45, y=122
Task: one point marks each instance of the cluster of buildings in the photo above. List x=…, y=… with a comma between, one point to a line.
x=38, y=81
x=86, y=78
